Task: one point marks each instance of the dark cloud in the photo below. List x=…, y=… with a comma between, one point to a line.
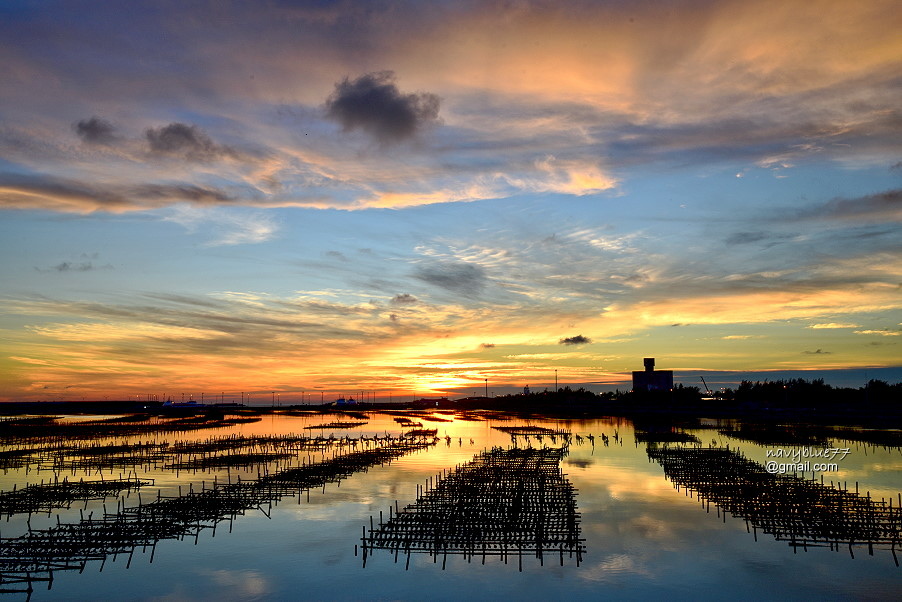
x=880, y=206
x=373, y=103
x=462, y=278
x=817, y=352
x=577, y=340
x=187, y=141
x=37, y=190
x=175, y=192
x=741, y=238
x=404, y=299
x=95, y=131
x=185, y=300
x=769, y=239
x=48, y=192
x=487, y=345
x=68, y=266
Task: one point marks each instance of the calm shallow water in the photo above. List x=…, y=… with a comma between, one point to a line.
x=643, y=537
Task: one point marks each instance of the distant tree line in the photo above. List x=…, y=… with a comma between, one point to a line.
x=564, y=396
x=876, y=397
x=798, y=392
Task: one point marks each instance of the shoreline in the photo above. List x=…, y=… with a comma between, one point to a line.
x=649, y=412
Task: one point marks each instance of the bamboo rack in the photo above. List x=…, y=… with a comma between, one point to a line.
x=505, y=503
x=35, y=556
x=803, y=512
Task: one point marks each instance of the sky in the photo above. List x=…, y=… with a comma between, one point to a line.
x=298, y=200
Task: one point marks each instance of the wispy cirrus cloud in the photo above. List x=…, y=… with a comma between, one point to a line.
x=883, y=333
x=576, y=177
x=223, y=227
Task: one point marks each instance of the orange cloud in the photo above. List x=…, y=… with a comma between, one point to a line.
x=759, y=307
x=637, y=60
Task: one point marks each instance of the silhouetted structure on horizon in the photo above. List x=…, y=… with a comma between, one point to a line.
x=651, y=379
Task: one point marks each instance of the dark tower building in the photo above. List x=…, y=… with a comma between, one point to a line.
x=651, y=379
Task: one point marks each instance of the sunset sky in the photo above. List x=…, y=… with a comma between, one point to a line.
x=414, y=198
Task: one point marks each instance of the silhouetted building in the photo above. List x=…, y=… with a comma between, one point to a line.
x=651, y=379
x=429, y=402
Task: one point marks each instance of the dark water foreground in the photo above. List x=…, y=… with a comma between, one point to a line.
x=439, y=505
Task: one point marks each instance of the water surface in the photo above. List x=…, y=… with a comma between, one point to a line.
x=643, y=537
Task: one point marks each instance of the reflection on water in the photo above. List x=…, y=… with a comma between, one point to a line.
x=802, y=512
x=36, y=555
x=295, y=505
x=506, y=503
x=62, y=494
x=808, y=434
